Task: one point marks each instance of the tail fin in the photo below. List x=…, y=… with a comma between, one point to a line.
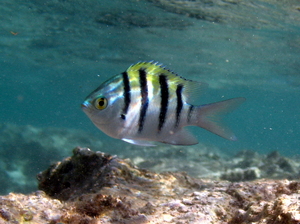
x=209, y=117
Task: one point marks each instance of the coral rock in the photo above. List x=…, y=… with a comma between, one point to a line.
x=94, y=187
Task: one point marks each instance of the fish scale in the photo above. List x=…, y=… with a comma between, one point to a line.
x=149, y=103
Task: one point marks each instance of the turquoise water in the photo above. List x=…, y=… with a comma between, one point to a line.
x=54, y=53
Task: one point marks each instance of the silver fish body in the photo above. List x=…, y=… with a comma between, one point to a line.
x=148, y=103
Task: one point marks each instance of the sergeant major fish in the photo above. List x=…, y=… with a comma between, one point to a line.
x=149, y=103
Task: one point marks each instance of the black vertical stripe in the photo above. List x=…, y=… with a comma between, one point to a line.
x=164, y=95
x=144, y=98
x=179, y=103
x=126, y=94
x=189, y=115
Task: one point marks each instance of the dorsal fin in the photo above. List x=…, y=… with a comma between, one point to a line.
x=191, y=90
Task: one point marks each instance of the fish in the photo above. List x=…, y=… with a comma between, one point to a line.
x=149, y=104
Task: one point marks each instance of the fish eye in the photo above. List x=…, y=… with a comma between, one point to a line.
x=101, y=103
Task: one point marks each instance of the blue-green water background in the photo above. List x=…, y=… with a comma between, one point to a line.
x=62, y=52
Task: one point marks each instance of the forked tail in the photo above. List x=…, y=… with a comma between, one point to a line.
x=209, y=117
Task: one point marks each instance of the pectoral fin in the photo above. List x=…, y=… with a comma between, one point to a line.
x=182, y=137
x=138, y=142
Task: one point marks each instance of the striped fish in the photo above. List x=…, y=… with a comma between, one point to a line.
x=148, y=103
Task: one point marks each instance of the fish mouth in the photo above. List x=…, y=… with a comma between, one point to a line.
x=84, y=105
